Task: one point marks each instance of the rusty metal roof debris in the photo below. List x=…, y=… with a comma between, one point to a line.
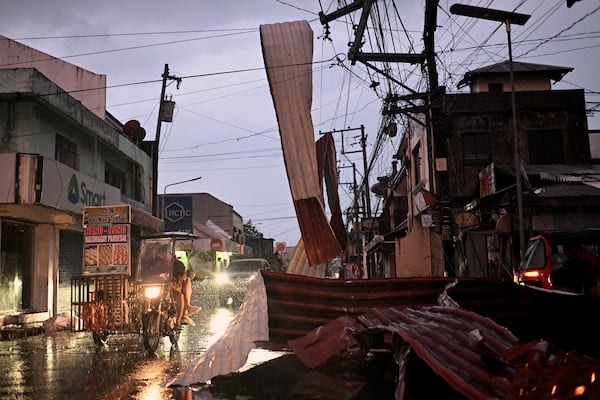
x=299, y=304
x=474, y=355
x=487, y=339
x=287, y=52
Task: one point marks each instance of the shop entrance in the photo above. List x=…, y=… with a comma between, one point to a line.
x=16, y=265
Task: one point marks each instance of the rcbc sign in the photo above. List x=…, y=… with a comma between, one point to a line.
x=175, y=212
x=178, y=213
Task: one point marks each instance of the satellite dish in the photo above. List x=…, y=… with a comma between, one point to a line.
x=134, y=131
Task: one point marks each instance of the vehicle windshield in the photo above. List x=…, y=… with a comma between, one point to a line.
x=534, y=256
x=248, y=266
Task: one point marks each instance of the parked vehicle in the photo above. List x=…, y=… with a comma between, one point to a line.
x=151, y=307
x=567, y=260
x=127, y=281
x=241, y=269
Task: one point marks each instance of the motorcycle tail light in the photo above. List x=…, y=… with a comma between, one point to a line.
x=152, y=292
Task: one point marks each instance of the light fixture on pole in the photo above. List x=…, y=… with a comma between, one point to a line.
x=177, y=183
x=507, y=18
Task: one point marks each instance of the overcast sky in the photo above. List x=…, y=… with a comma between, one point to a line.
x=224, y=126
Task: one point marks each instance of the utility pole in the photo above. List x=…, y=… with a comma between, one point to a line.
x=165, y=77
x=363, y=143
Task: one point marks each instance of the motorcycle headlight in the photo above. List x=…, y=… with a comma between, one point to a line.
x=152, y=292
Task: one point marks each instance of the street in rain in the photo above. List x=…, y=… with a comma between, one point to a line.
x=68, y=365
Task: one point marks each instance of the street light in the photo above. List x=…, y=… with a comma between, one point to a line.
x=507, y=18
x=177, y=183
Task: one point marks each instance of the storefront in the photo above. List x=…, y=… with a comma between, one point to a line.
x=16, y=265
x=41, y=234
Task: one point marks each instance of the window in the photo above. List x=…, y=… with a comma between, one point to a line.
x=66, y=152
x=417, y=164
x=115, y=177
x=545, y=146
x=476, y=148
x=495, y=87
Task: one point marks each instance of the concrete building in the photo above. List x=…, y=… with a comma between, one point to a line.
x=474, y=229
x=59, y=151
x=219, y=228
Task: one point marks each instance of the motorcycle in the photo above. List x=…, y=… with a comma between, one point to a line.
x=147, y=304
x=159, y=318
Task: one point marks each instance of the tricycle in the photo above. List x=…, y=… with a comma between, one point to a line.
x=160, y=295
x=146, y=302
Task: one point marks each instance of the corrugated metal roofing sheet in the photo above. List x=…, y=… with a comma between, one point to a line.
x=466, y=330
x=299, y=304
x=567, y=190
x=287, y=53
x=230, y=351
x=474, y=355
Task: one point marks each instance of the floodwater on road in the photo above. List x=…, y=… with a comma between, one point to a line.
x=67, y=365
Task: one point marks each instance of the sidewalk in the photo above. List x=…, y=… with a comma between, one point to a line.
x=18, y=325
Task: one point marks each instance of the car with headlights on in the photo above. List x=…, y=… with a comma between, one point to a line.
x=241, y=269
x=231, y=283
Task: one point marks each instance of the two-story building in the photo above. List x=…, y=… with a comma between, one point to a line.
x=59, y=151
x=560, y=185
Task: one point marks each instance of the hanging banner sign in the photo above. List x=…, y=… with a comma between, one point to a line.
x=105, y=215
x=106, y=249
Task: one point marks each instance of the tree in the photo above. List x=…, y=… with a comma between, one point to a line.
x=251, y=231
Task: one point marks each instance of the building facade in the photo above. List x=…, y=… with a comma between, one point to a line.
x=219, y=228
x=59, y=152
x=457, y=215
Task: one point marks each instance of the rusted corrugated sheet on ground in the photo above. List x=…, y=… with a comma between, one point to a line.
x=474, y=355
x=287, y=53
x=531, y=313
x=299, y=304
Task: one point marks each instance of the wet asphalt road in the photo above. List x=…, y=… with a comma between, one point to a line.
x=67, y=365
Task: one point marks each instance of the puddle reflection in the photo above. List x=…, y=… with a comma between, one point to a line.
x=68, y=365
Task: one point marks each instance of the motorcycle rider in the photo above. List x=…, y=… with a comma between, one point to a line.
x=182, y=293
x=179, y=276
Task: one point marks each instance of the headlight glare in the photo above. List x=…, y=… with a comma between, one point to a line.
x=152, y=292
x=221, y=278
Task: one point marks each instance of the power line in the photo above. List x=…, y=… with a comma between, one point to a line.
x=95, y=35
x=127, y=48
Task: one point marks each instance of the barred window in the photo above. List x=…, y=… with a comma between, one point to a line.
x=115, y=177
x=66, y=152
x=476, y=148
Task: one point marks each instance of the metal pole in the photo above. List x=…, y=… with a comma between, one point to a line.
x=156, y=144
x=516, y=149
x=177, y=183
x=363, y=142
